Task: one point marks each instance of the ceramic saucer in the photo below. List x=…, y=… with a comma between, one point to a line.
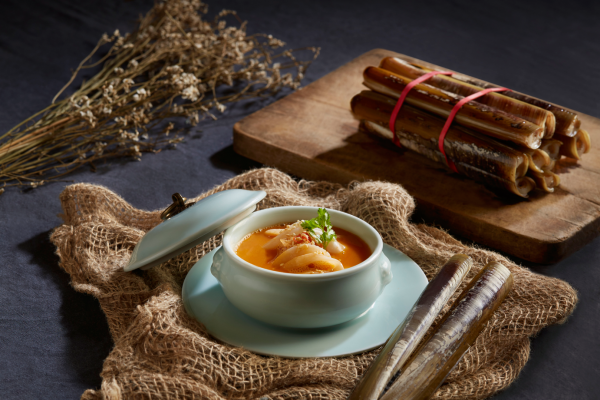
x=204, y=300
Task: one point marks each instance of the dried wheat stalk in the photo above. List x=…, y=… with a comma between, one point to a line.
x=175, y=64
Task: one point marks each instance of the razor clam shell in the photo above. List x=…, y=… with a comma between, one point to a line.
x=424, y=129
x=552, y=148
x=520, y=186
x=538, y=159
x=566, y=120
x=574, y=147
x=407, y=336
x=546, y=180
x=430, y=367
x=529, y=112
x=487, y=120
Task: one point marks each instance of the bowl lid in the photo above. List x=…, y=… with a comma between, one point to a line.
x=192, y=226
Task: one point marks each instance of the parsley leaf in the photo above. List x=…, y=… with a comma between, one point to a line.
x=323, y=223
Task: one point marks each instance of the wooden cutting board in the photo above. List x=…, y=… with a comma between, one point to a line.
x=312, y=134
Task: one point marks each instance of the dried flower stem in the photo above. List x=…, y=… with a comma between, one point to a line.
x=174, y=65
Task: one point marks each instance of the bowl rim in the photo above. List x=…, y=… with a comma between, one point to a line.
x=375, y=254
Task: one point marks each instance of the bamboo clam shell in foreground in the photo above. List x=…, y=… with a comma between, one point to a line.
x=552, y=148
x=520, y=186
x=487, y=120
x=546, y=180
x=566, y=120
x=528, y=112
x=434, y=361
x=574, y=147
x=407, y=336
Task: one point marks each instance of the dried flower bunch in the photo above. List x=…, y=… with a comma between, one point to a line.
x=176, y=64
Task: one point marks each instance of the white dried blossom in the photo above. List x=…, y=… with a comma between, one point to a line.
x=174, y=69
x=118, y=70
x=190, y=93
x=193, y=119
x=99, y=147
x=107, y=110
x=140, y=94
x=275, y=43
x=137, y=154
x=108, y=89
x=287, y=79
x=127, y=83
x=121, y=120
x=184, y=80
x=88, y=116
x=177, y=109
x=228, y=79
x=82, y=102
x=221, y=107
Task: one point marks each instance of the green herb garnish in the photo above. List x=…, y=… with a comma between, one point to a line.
x=323, y=223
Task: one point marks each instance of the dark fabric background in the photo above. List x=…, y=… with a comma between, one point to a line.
x=53, y=340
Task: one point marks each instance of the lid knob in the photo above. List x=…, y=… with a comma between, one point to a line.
x=175, y=208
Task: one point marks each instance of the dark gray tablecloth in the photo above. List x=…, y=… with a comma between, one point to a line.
x=53, y=340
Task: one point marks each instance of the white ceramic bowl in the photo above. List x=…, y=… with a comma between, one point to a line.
x=296, y=300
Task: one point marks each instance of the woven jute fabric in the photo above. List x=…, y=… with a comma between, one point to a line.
x=162, y=353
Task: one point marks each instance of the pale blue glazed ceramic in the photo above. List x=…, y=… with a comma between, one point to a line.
x=296, y=300
x=200, y=222
x=205, y=301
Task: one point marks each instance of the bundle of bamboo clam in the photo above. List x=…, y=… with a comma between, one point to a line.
x=509, y=141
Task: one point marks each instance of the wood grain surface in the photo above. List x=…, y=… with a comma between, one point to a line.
x=313, y=134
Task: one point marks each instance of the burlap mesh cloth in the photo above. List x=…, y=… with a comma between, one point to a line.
x=160, y=352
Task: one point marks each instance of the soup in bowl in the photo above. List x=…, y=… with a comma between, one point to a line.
x=303, y=279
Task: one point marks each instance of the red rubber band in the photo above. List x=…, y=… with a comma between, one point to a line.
x=403, y=96
x=455, y=110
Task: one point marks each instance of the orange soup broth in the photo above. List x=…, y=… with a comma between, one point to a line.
x=251, y=249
